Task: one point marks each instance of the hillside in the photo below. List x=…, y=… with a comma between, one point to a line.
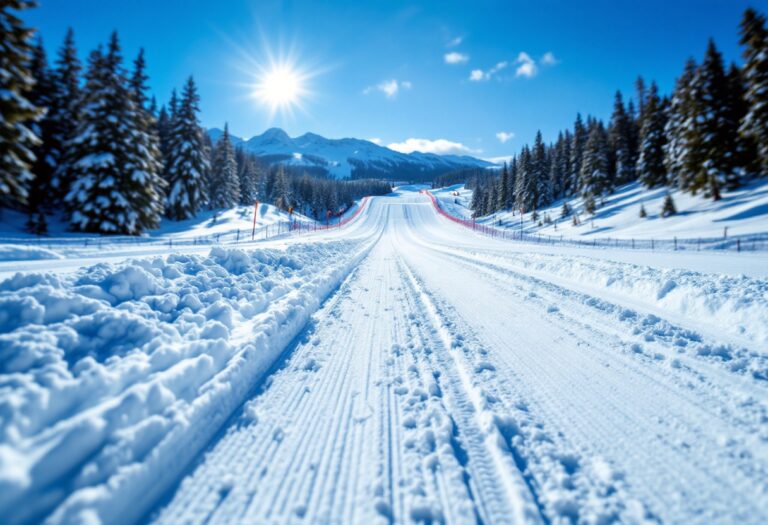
x=741, y=212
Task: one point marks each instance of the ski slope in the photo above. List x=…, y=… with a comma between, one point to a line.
x=400, y=369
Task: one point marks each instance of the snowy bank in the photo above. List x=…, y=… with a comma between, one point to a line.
x=112, y=380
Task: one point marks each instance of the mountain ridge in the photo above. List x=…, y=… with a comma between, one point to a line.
x=348, y=157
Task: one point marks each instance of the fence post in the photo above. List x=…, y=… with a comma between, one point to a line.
x=738, y=245
x=675, y=243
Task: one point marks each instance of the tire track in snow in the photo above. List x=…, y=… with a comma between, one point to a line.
x=542, y=377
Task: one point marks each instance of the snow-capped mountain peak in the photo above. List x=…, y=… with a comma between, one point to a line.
x=349, y=157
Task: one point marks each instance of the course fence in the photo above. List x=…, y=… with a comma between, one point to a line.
x=738, y=243
x=235, y=236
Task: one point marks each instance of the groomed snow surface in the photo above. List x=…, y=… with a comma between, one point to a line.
x=399, y=369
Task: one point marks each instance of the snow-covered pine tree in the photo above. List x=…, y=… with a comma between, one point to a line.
x=643, y=213
x=754, y=36
x=668, y=207
x=113, y=190
x=578, y=142
x=555, y=167
x=539, y=182
x=147, y=186
x=745, y=156
x=620, y=141
x=502, y=195
x=634, y=133
x=186, y=165
x=522, y=196
x=712, y=135
x=595, y=170
x=16, y=138
x=650, y=164
x=681, y=158
x=41, y=95
x=641, y=93
x=249, y=181
x=64, y=115
x=223, y=184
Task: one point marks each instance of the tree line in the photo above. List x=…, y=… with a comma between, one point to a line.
x=87, y=141
x=709, y=136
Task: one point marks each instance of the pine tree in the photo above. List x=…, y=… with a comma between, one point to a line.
x=642, y=95
x=147, y=193
x=223, y=184
x=282, y=192
x=16, y=139
x=579, y=141
x=502, y=197
x=681, y=157
x=754, y=36
x=186, y=164
x=565, y=211
x=650, y=164
x=668, y=208
x=114, y=189
x=538, y=183
x=65, y=115
x=594, y=178
x=712, y=135
x=620, y=141
x=745, y=155
x=249, y=182
x=643, y=213
x=41, y=95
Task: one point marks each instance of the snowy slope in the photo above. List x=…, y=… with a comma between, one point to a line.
x=348, y=157
x=401, y=369
x=743, y=212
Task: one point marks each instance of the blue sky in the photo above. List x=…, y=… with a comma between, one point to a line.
x=378, y=69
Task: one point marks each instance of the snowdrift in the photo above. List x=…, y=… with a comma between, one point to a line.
x=113, y=379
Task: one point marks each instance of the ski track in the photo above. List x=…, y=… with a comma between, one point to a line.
x=446, y=380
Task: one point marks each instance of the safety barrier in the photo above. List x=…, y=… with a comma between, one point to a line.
x=236, y=236
x=756, y=242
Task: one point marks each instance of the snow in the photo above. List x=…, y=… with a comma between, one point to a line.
x=401, y=368
x=743, y=212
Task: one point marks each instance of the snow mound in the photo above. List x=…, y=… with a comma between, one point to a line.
x=114, y=378
x=26, y=253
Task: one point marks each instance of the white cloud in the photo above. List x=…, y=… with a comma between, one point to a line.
x=375, y=140
x=478, y=74
x=455, y=58
x=390, y=88
x=438, y=146
x=504, y=136
x=456, y=41
x=526, y=67
x=549, y=59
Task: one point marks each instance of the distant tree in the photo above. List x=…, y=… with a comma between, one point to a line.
x=186, y=163
x=504, y=190
x=681, y=157
x=16, y=139
x=754, y=36
x=745, y=152
x=650, y=164
x=223, y=184
x=282, y=193
x=620, y=141
x=668, y=208
x=64, y=116
x=565, y=211
x=579, y=141
x=595, y=176
x=41, y=95
x=643, y=213
x=712, y=134
x=249, y=176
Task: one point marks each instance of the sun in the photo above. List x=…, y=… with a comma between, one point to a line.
x=281, y=88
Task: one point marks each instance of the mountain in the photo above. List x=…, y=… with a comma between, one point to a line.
x=345, y=158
